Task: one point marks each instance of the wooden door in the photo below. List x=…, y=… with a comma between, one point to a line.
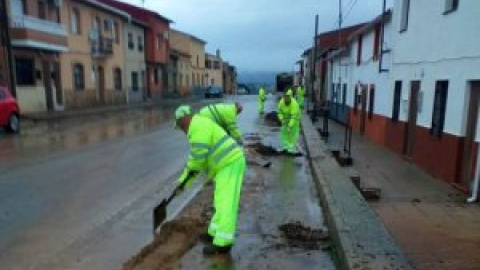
x=409, y=137
x=363, y=112
x=47, y=82
x=469, y=157
x=101, y=84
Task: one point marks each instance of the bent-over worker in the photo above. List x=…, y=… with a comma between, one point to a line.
x=212, y=150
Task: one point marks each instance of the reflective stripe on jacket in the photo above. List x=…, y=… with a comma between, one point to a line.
x=290, y=114
x=211, y=149
x=225, y=115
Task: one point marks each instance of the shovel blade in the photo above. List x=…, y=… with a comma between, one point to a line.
x=159, y=215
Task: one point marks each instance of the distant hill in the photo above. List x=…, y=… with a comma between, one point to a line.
x=249, y=77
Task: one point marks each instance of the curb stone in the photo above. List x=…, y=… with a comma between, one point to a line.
x=361, y=239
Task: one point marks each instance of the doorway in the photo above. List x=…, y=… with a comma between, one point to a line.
x=409, y=137
x=363, y=112
x=47, y=81
x=469, y=156
x=101, y=84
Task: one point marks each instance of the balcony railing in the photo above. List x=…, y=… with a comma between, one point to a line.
x=102, y=47
x=27, y=22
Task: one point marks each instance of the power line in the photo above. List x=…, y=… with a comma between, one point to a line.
x=350, y=9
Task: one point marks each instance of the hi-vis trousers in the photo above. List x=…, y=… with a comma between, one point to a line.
x=228, y=187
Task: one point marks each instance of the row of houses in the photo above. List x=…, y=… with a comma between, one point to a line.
x=408, y=80
x=57, y=55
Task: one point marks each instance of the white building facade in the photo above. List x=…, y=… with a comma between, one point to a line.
x=418, y=92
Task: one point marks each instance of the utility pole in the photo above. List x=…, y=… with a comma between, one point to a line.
x=5, y=34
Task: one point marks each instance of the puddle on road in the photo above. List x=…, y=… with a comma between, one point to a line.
x=42, y=137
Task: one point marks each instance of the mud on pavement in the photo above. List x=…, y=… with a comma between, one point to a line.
x=176, y=237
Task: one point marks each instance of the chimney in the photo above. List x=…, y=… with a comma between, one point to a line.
x=218, y=53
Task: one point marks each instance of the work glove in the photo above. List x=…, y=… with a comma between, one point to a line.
x=240, y=142
x=186, y=180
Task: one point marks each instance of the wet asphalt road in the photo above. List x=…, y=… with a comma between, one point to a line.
x=78, y=194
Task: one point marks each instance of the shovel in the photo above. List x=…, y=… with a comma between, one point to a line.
x=255, y=158
x=160, y=211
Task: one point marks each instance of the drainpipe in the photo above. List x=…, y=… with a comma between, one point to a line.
x=474, y=196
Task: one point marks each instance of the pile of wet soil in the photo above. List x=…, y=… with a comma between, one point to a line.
x=301, y=236
x=177, y=236
x=264, y=150
x=272, y=119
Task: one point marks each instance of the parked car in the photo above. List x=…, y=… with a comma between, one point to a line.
x=213, y=92
x=9, y=111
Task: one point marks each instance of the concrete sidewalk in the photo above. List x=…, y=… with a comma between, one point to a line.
x=428, y=218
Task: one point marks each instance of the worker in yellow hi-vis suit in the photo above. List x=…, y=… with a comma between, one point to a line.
x=262, y=96
x=225, y=115
x=289, y=115
x=212, y=150
x=300, y=95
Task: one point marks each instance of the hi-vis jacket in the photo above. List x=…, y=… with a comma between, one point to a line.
x=211, y=149
x=262, y=94
x=225, y=115
x=289, y=115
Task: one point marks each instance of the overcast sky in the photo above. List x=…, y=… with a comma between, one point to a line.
x=260, y=35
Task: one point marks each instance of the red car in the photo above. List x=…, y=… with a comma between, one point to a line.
x=9, y=111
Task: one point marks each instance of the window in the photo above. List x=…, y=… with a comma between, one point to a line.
x=405, y=12
x=78, y=77
x=216, y=65
x=397, y=95
x=117, y=79
x=439, y=108
x=96, y=24
x=140, y=43
x=344, y=95
x=131, y=45
x=25, y=71
x=187, y=80
x=135, y=81
x=198, y=61
x=180, y=80
x=355, y=100
x=116, y=32
x=359, y=50
x=450, y=6
x=75, y=22
x=208, y=64
x=42, y=12
x=107, y=25
x=376, y=44
x=371, y=102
